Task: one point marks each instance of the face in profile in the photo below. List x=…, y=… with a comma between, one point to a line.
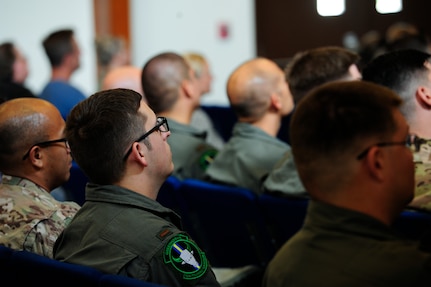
x=20, y=67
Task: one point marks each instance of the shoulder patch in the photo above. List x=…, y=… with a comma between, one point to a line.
x=207, y=158
x=185, y=257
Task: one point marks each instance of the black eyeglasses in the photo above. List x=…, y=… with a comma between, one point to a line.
x=161, y=125
x=412, y=141
x=45, y=144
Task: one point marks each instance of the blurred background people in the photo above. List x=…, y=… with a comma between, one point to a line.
x=63, y=54
x=200, y=119
x=127, y=77
x=112, y=52
x=172, y=91
x=13, y=73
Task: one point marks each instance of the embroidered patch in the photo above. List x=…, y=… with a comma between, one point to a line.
x=207, y=158
x=185, y=257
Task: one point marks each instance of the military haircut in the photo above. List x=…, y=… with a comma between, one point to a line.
x=311, y=68
x=101, y=128
x=402, y=71
x=57, y=45
x=332, y=122
x=162, y=77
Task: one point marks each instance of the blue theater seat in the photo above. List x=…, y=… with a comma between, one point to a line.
x=168, y=195
x=22, y=268
x=75, y=186
x=227, y=224
x=284, y=216
x=414, y=224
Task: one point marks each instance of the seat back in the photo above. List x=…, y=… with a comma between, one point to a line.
x=168, y=195
x=414, y=224
x=284, y=216
x=75, y=186
x=30, y=268
x=227, y=224
x=23, y=268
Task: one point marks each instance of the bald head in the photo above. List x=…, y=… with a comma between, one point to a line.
x=23, y=122
x=127, y=77
x=251, y=85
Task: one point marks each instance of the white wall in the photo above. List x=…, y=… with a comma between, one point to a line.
x=28, y=22
x=156, y=26
x=193, y=25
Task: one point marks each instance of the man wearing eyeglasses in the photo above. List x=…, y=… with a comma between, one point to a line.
x=34, y=159
x=408, y=73
x=122, y=147
x=350, y=144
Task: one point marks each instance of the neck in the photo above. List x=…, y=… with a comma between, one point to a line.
x=134, y=183
x=180, y=113
x=269, y=123
x=61, y=74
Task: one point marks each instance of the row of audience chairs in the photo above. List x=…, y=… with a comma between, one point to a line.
x=236, y=227
x=22, y=268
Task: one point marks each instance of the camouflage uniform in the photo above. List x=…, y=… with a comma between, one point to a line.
x=31, y=219
x=422, y=160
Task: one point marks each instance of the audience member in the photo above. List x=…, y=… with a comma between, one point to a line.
x=64, y=56
x=349, y=144
x=307, y=70
x=126, y=77
x=311, y=68
x=13, y=73
x=172, y=91
x=403, y=35
x=122, y=229
x=200, y=119
x=34, y=159
x=112, y=52
x=260, y=97
x=408, y=73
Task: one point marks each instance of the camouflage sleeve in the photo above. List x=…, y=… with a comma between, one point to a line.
x=43, y=235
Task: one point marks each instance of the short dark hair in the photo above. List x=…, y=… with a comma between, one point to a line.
x=311, y=68
x=57, y=45
x=160, y=83
x=402, y=71
x=7, y=58
x=332, y=122
x=101, y=128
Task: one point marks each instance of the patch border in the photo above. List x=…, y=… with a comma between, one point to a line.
x=198, y=254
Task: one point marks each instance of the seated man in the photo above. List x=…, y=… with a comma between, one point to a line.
x=172, y=91
x=122, y=147
x=126, y=77
x=306, y=70
x=64, y=55
x=34, y=159
x=351, y=147
x=260, y=97
x=408, y=73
